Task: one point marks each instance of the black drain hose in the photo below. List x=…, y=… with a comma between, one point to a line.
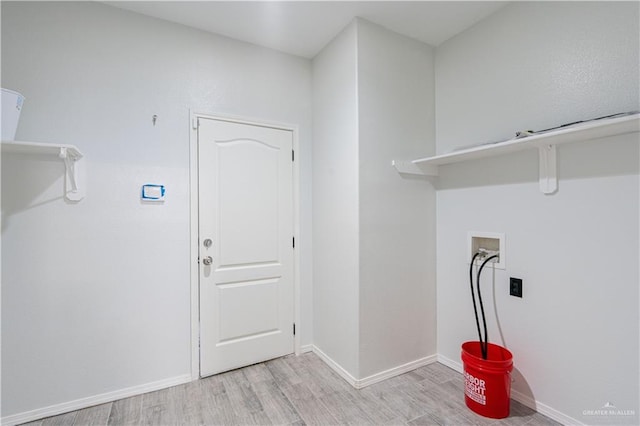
x=483, y=343
x=473, y=297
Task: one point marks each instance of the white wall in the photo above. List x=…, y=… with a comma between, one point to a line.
x=96, y=295
x=335, y=201
x=574, y=334
x=84, y=312
x=397, y=215
x=374, y=231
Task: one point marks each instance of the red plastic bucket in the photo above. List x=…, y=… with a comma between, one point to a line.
x=487, y=382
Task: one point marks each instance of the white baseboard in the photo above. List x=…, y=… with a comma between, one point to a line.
x=450, y=363
x=395, y=371
x=335, y=366
x=305, y=348
x=374, y=378
x=78, y=404
x=541, y=408
x=526, y=400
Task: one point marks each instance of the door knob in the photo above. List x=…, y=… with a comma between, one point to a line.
x=207, y=260
x=207, y=243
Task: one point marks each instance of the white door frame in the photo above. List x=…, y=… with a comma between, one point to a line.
x=193, y=224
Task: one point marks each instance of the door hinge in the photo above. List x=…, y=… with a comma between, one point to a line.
x=293, y=155
x=195, y=123
x=294, y=242
x=294, y=328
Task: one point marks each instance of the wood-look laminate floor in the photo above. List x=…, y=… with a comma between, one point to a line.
x=299, y=390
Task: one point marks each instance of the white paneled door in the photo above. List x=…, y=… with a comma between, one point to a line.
x=245, y=244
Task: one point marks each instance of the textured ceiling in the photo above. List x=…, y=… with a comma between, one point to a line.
x=303, y=28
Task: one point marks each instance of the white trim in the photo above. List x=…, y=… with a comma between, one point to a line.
x=544, y=409
x=526, y=400
x=335, y=367
x=193, y=246
x=79, y=404
x=297, y=299
x=305, y=349
x=374, y=378
x=450, y=363
x=396, y=371
x=193, y=226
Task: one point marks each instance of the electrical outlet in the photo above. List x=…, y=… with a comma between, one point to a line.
x=515, y=287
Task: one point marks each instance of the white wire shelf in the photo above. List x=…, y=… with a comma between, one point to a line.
x=545, y=143
x=69, y=154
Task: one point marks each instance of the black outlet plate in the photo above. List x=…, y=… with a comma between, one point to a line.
x=515, y=287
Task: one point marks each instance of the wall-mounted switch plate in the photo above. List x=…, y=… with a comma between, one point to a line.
x=515, y=287
x=152, y=192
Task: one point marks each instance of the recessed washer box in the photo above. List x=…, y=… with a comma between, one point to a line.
x=494, y=241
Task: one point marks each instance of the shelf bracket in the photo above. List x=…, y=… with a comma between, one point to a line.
x=72, y=165
x=548, y=169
